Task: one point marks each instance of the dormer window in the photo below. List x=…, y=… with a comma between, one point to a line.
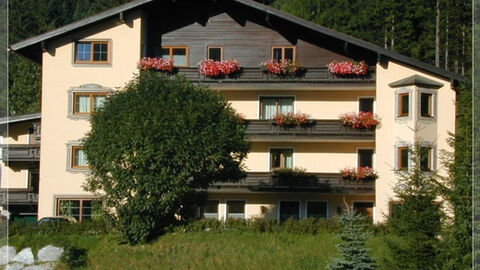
x=280, y=53
x=92, y=52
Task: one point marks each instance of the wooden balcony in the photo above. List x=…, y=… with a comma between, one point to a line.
x=20, y=152
x=325, y=183
x=317, y=130
x=18, y=196
x=256, y=76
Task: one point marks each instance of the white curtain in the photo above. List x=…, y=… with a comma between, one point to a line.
x=83, y=104
x=98, y=102
x=81, y=158
x=269, y=108
x=288, y=159
x=285, y=105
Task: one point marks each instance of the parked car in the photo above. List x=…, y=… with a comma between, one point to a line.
x=57, y=219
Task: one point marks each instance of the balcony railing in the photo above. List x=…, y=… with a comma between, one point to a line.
x=20, y=152
x=255, y=74
x=258, y=130
x=18, y=196
x=326, y=182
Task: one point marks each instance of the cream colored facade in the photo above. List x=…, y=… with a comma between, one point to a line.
x=61, y=130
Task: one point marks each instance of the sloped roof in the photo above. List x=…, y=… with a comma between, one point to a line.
x=25, y=47
x=19, y=118
x=416, y=80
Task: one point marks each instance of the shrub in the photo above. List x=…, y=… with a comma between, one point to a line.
x=263, y=225
x=74, y=257
x=295, y=176
x=89, y=227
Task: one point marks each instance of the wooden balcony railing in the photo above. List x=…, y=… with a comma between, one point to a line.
x=255, y=74
x=326, y=182
x=258, y=130
x=20, y=152
x=18, y=196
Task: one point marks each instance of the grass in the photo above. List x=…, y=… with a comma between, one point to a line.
x=205, y=250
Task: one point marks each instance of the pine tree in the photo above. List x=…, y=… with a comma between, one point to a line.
x=353, y=253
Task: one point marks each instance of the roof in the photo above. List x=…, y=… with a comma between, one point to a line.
x=37, y=40
x=19, y=118
x=416, y=80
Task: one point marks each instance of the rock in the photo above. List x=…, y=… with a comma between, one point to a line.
x=25, y=256
x=14, y=266
x=6, y=254
x=49, y=254
x=45, y=266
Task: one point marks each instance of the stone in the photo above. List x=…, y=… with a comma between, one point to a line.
x=49, y=254
x=14, y=266
x=25, y=256
x=45, y=266
x=6, y=254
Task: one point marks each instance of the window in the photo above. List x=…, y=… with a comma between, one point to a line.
x=426, y=158
x=280, y=53
x=403, y=104
x=317, y=209
x=88, y=103
x=281, y=158
x=289, y=209
x=365, y=105
x=271, y=106
x=215, y=53
x=426, y=105
x=179, y=55
x=210, y=210
x=33, y=180
x=80, y=209
x=236, y=209
x=365, y=208
x=402, y=158
x=365, y=158
x=79, y=159
x=91, y=52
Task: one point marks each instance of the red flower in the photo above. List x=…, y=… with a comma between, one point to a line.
x=347, y=68
x=360, y=120
x=212, y=68
x=284, y=119
x=357, y=174
x=156, y=63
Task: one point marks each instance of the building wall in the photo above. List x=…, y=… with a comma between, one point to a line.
x=393, y=131
x=58, y=77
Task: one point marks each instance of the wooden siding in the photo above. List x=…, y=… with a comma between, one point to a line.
x=249, y=44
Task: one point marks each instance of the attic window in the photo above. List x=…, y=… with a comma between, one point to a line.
x=280, y=53
x=92, y=52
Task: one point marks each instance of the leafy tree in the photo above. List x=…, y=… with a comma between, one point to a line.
x=354, y=235
x=416, y=217
x=153, y=144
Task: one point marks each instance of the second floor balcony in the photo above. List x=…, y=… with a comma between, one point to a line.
x=20, y=152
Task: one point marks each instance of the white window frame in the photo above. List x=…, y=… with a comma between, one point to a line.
x=306, y=207
x=434, y=103
x=289, y=200
x=269, y=165
x=272, y=95
x=235, y=200
x=84, y=88
x=396, y=156
x=374, y=103
x=374, y=156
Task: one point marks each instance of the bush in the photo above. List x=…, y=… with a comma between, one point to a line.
x=90, y=227
x=73, y=256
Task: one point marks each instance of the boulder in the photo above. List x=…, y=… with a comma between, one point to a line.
x=25, y=256
x=6, y=254
x=14, y=266
x=49, y=254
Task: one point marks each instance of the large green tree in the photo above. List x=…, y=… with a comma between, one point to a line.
x=156, y=142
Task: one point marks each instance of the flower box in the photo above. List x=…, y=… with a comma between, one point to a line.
x=217, y=69
x=358, y=174
x=362, y=120
x=293, y=177
x=292, y=119
x=347, y=68
x=156, y=63
x=283, y=68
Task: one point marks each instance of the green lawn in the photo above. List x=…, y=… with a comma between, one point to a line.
x=205, y=250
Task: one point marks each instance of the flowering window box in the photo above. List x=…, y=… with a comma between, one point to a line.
x=156, y=63
x=291, y=120
x=358, y=174
x=362, y=120
x=344, y=68
x=218, y=69
x=283, y=68
x=293, y=177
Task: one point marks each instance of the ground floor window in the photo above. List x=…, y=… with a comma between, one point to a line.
x=317, y=209
x=365, y=208
x=210, y=210
x=80, y=209
x=289, y=209
x=236, y=209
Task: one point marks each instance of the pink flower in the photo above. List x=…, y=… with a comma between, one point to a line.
x=280, y=68
x=360, y=120
x=156, y=63
x=212, y=68
x=347, y=67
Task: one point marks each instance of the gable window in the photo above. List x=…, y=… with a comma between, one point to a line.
x=79, y=159
x=289, y=209
x=281, y=158
x=425, y=158
x=426, y=105
x=80, y=209
x=402, y=158
x=403, y=105
x=365, y=158
x=236, y=209
x=91, y=52
x=215, y=53
x=88, y=102
x=365, y=105
x=179, y=55
x=317, y=209
x=280, y=53
x=210, y=210
x=271, y=106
